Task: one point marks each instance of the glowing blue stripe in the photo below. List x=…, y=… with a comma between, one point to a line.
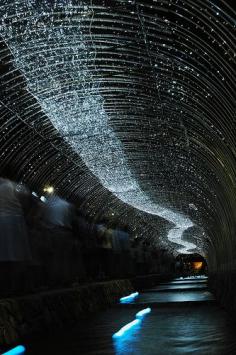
x=140, y=314
x=16, y=351
x=129, y=298
x=126, y=327
x=138, y=319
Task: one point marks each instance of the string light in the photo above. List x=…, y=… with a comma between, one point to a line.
x=134, y=90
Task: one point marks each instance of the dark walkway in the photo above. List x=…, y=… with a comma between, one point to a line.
x=199, y=326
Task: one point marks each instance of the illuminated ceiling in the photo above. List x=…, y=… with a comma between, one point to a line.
x=132, y=97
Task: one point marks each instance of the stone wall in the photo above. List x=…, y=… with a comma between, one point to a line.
x=222, y=270
x=223, y=285
x=24, y=316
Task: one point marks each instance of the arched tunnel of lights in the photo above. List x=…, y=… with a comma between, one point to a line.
x=126, y=107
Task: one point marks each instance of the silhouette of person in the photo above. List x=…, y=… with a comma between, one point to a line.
x=14, y=244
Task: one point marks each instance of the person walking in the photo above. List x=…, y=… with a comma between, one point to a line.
x=14, y=244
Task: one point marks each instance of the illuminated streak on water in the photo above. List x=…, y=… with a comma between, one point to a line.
x=20, y=349
x=127, y=327
x=143, y=312
x=129, y=298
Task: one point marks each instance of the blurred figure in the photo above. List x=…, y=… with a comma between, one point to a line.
x=122, y=250
x=86, y=234
x=177, y=267
x=41, y=252
x=104, y=233
x=14, y=245
x=57, y=221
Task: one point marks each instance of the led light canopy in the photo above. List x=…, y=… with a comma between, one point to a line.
x=140, y=91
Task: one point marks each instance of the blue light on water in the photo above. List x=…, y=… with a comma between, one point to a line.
x=129, y=298
x=139, y=317
x=20, y=349
x=142, y=313
x=126, y=328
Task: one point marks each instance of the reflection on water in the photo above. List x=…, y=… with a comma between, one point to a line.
x=178, y=296
x=129, y=298
x=18, y=350
x=123, y=344
x=200, y=328
x=124, y=330
x=197, y=330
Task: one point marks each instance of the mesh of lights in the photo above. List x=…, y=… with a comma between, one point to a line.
x=131, y=87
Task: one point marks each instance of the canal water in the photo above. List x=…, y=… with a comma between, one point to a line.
x=184, y=319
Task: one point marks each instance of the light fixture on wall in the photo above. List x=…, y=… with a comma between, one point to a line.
x=49, y=189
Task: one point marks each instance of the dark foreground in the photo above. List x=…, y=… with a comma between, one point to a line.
x=182, y=321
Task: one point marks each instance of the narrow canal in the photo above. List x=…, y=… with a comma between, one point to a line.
x=183, y=319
